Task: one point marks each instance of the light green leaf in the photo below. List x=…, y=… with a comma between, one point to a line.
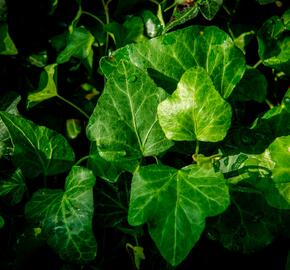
x=209, y=8
x=73, y=128
x=195, y=111
x=7, y=46
x=253, y=86
x=175, y=204
x=66, y=216
x=79, y=45
x=167, y=57
x=13, y=186
x=47, y=86
x=37, y=149
x=124, y=123
x=244, y=228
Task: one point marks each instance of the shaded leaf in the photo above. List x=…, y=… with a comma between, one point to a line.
x=2, y=222
x=253, y=86
x=209, y=8
x=14, y=186
x=265, y=2
x=195, y=111
x=66, y=216
x=37, y=149
x=175, y=204
x=7, y=46
x=124, y=123
x=167, y=57
x=47, y=86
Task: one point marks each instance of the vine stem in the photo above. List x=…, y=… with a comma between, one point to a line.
x=93, y=16
x=74, y=106
x=106, y=9
x=81, y=160
x=197, y=148
x=258, y=63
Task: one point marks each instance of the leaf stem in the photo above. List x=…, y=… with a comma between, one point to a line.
x=81, y=160
x=73, y=105
x=106, y=9
x=196, y=148
x=269, y=103
x=257, y=64
x=93, y=16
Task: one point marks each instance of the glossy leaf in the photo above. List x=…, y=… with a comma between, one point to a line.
x=66, y=216
x=124, y=123
x=244, y=228
x=79, y=45
x=7, y=47
x=167, y=57
x=37, y=149
x=14, y=186
x=152, y=24
x=47, y=88
x=175, y=204
x=253, y=86
x=195, y=111
x=209, y=8
x=274, y=44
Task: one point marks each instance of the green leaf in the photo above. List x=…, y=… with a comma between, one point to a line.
x=79, y=45
x=124, y=123
x=244, y=228
x=209, y=8
x=37, y=149
x=129, y=32
x=73, y=128
x=66, y=216
x=286, y=101
x=152, y=24
x=107, y=170
x=167, y=57
x=47, y=86
x=181, y=14
x=253, y=86
x=274, y=44
x=175, y=204
x=2, y=222
x=7, y=46
x=13, y=186
x=195, y=111
x=265, y=2
x=286, y=19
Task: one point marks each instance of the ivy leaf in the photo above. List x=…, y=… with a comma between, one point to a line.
x=7, y=46
x=274, y=44
x=253, y=86
x=47, y=86
x=13, y=186
x=195, y=111
x=209, y=8
x=245, y=229
x=66, y=216
x=79, y=45
x=152, y=24
x=37, y=149
x=175, y=204
x=124, y=123
x=167, y=57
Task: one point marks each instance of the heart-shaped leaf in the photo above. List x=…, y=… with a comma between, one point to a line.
x=195, y=111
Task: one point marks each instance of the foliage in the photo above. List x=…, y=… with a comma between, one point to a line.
x=131, y=131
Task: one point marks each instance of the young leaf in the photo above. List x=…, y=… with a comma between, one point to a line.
x=209, y=8
x=175, y=204
x=170, y=55
x=7, y=46
x=195, y=111
x=66, y=216
x=253, y=86
x=37, y=149
x=14, y=186
x=124, y=123
x=47, y=87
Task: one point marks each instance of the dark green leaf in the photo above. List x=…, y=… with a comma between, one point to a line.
x=167, y=57
x=195, y=111
x=265, y=2
x=152, y=24
x=175, y=204
x=253, y=86
x=2, y=222
x=286, y=101
x=66, y=216
x=47, y=86
x=209, y=8
x=124, y=123
x=7, y=46
x=13, y=186
x=37, y=149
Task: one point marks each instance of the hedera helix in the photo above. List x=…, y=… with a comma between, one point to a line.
x=177, y=87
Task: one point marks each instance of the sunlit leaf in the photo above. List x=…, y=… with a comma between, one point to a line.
x=66, y=216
